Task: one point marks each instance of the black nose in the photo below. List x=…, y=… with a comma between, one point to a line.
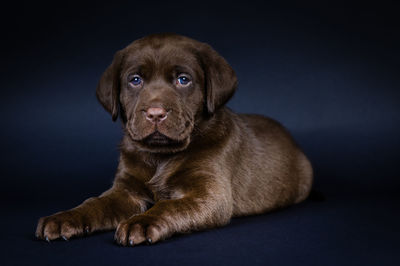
x=156, y=114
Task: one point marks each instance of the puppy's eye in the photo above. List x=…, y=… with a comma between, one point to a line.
x=136, y=80
x=183, y=80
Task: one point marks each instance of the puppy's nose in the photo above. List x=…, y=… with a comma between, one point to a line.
x=156, y=114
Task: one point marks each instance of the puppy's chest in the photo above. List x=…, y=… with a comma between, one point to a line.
x=166, y=194
x=162, y=188
x=164, y=184
x=159, y=178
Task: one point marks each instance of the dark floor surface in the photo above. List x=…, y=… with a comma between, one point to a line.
x=357, y=224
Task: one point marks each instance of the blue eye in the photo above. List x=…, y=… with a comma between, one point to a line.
x=183, y=80
x=136, y=80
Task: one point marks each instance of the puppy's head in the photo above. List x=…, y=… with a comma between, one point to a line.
x=161, y=86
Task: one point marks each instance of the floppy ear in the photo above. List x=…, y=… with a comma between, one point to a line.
x=220, y=78
x=108, y=88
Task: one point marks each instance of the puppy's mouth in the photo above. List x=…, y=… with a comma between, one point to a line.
x=163, y=138
x=159, y=139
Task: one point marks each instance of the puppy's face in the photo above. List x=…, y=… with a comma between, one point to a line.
x=161, y=94
x=162, y=86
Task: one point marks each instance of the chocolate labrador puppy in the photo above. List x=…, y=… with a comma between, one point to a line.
x=187, y=162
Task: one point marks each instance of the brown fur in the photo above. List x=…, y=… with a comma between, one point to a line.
x=211, y=164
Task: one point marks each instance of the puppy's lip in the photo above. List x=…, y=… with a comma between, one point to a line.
x=157, y=136
x=158, y=139
x=157, y=132
x=160, y=143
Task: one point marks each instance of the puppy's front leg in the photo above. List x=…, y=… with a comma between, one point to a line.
x=94, y=214
x=167, y=217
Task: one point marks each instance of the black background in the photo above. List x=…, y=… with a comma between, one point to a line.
x=329, y=72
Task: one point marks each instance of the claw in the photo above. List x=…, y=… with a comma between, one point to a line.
x=63, y=237
x=47, y=239
x=87, y=229
x=149, y=241
x=131, y=242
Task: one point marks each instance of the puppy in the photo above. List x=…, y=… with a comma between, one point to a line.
x=187, y=162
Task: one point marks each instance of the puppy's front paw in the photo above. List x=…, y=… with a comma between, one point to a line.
x=139, y=229
x=62, y=225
